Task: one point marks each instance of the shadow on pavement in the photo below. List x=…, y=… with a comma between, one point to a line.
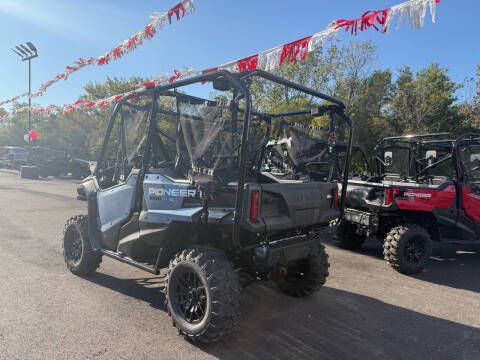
x=455, y=266
x=145, y=289
x=333, y=324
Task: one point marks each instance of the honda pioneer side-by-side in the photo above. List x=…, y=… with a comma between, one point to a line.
x=427, y=188
x=193, y=186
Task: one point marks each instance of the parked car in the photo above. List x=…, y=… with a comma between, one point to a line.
x=13, y=157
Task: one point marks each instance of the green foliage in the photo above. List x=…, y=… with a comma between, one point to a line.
x=424, y=102
x=380, y=102
x=471, y=110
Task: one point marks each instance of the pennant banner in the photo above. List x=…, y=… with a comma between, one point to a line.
x=158, y=21
x=413, y=12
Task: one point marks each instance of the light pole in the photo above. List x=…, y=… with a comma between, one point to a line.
x=27, y=52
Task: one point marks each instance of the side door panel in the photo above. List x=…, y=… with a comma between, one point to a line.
x=115, y=207
x=468, y=154
x=471, y=203
x=124, y=149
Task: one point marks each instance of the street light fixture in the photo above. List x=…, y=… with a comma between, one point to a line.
x=27, y=52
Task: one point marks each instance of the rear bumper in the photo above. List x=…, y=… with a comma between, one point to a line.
x=309, y=218
x=365, y=220
x=282, y=251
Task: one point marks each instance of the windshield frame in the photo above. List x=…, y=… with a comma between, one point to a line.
x=464, y=141
x=414, y=144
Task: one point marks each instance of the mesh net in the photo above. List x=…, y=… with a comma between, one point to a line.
x=211, y=137
x=295, y=146
x=470, y=158
x=397, y=160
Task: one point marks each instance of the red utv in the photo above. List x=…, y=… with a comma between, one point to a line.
x=427, y=188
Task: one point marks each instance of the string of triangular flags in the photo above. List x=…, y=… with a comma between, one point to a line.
x=412, y=12
x=158, y=21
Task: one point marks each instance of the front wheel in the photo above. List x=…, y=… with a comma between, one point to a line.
x=407, y=248
x=77, y=251
x=305, y=276
x=202, y=294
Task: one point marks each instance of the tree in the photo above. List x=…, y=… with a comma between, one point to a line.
x=471, y=110
x=424, y=102
x=352, y=69
x=316, y=72
x=419, y=102
x=367, y=109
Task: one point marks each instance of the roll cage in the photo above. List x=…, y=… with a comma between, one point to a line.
x=413, y=145
x=241, y=112
x=418, y=165
x=470, y=138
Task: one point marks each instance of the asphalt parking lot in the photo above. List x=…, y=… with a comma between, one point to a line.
x=365, y=311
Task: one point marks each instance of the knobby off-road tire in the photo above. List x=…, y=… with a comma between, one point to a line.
x=407, y=248
x=347, y=236
x=305, y=276
x=77, y=251
x=43, y=173
x=202, y=294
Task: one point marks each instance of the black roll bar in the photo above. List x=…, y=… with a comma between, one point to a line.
x=236, y=80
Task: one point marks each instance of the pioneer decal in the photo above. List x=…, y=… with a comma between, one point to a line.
x=162, y=193
x=411, y=194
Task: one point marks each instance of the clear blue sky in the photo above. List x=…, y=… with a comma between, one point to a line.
x=217, y=32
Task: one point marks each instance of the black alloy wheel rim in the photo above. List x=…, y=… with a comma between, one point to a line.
x=73, y=246
x=414, y=250
x=189, y=296
x=299, y=270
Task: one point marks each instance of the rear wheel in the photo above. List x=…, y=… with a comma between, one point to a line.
x=407, y=248
x=305, y=276
x=347, y=236
x=43, y=172
x=77, y=251
x=203, y=294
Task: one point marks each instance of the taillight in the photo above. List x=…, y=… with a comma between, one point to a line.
x=335, y=198
x=390, y=194
x=254, y=206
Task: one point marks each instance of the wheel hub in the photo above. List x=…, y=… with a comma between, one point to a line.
x=189, y=296
x=414, y=250
x=73, y=246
